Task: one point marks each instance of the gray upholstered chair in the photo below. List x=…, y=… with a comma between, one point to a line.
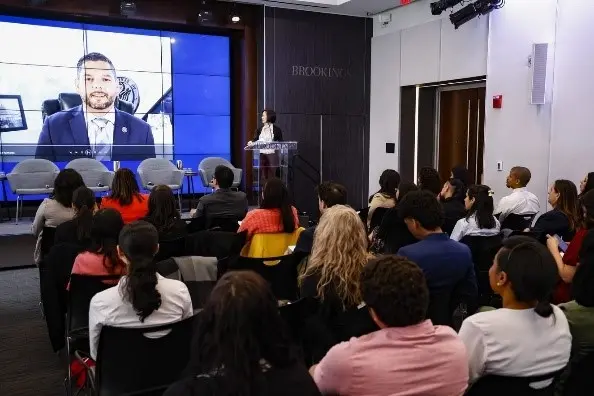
x=96, y=175
x=207, y=167
x=32, y=177
x=157, y=171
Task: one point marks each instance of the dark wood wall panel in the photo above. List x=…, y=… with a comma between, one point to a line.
x=407, y=133
x=427, y=115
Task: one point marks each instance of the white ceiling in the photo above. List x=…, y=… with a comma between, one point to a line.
x=347, y=7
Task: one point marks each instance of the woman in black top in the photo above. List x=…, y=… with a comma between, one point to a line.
x=241, y=346
x=564, y=219
x=586, y=184
x=163, y=214
x=78, y=230
x=452, y=200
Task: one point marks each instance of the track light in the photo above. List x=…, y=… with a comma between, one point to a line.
x=471, y=11
x=437, y=7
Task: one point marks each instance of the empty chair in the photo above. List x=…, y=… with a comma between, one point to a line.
x=96, y=175
x=198, y=273
x=157, y=171
x=171, y=248
x=32, y=177
x=207, y=167
x=270, y=245
x=517, y=222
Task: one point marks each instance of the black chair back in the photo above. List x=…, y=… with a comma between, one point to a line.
x=483, y=250
x=354, y=322
x=282, y=277
x=171, y=248
x=377, y=217
x=48, y=236
x=217, y=244
x=580, y=380
x=517, y=222
x=494, y=385
x=228, y=224
x=363, y=215
x=131, y=362
x=81, y=291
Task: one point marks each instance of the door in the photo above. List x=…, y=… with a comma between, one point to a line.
x=461, y=132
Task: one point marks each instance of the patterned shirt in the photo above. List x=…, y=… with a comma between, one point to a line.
x=265, y=221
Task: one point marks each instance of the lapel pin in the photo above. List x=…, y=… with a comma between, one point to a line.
x=124, y=130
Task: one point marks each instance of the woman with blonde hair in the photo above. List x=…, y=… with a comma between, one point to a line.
x=333, y=270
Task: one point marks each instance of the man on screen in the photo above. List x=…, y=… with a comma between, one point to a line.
x=96, y=129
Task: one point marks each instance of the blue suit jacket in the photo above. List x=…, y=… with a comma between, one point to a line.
x=64, y=137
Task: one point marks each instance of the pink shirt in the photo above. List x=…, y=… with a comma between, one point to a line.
x=416, y=360
x=87, y=263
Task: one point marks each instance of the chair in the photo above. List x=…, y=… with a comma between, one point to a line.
x=199, y=274
x=270, y=245
x=171, y=248
x=95, y=175
x=577, y=380
x=130, y=361
x=517, y=222
x=483, y=250
x=229, y=224
x=377, y=217
x=495, y=385
x=282, y=276
x=67, y=101
x=157, y=171
x=363, y=213
x=48, y=236
x=32, y=177
x=207, y=166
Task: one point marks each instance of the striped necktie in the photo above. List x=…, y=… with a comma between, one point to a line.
x=101, y=144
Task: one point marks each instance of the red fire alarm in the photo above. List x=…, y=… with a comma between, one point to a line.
x=497, y=101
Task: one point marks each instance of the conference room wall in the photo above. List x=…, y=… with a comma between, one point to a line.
x=316, y=70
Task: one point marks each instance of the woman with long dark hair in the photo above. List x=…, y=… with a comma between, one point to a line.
x=564, y=219
x=142, y=297
x=268, y=132
x=587, y=183
x=276, y=214
x=125, y=196
x=479, y=220
x=163, y=214
x=451, y=198
x=78, y=230
x=56, y=210
x=241, y=345
x=101, y=257
x=386, y=196
x=528, y=337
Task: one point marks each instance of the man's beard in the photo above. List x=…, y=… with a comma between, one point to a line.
x=101, y=102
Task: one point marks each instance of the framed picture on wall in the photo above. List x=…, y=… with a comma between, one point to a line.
x=12, y=114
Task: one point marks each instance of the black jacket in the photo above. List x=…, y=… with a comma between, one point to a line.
x=453, y=210
x=554, y=222
x=277, y=132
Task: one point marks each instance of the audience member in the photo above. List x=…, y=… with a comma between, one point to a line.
x=241, y=345
x=56, y=210
x=276, y=214
x=143, y=297
x=386, y=196
x=163, y=214
x=125, y=197
x=101, y=257
x=587, y=183
x=568, y=263
x=461, y=173
x=528, y=336
x=564, y=218
x=223, y=203
x=392, y=234
x=78, y=230
x=452, y=200
x=479, y=220
x=520, y=201
x=429, y=180
x=334, y=267
x=447, y=264
x=580, y=315
x=408, y=355
x=329, y=194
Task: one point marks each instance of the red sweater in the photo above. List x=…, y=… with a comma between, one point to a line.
x=562, y=292
x=130, y=213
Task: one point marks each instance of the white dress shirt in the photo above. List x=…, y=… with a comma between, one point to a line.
x=519, y=202
x=470, y=227
x=516, y=343
x=110, y=308
x=100, y=135
x=266, y=136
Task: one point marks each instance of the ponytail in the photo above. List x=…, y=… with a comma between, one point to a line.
x=544, y=309
x=141, y=287
x=83, y=222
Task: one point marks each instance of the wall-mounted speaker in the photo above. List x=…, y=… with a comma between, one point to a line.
x=539, y=73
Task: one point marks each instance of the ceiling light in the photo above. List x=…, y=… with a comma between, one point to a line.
x=235, y=19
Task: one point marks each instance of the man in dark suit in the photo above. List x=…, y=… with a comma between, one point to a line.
x=96, y=129
x=329, y=194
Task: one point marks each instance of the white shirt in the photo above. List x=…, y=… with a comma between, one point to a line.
x=109, y=308
x=267, y=136
x=470, y=227
x=520, y=201
x=516, y=343
x=97, y=134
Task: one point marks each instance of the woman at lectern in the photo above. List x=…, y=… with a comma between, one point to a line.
x=268, y=132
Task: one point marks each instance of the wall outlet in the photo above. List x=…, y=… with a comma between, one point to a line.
x=499, y=166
